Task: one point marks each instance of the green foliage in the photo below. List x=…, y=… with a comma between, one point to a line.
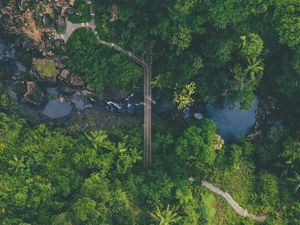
x=184, y=98
x=197, y=144
x=45, y=67
x=252, y=46
x=268, y=189
x=166, y=217
x=81, y=13
x=207, y=209
x=233, y=51
x=287, y=20
x=100, y=65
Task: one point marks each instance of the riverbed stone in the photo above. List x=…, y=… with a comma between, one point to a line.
x=45, y=70
x=64, y=74
x=34, y=94
x=76, y=81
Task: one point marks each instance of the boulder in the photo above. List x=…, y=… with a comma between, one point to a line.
x=76, y=81
x=34, y=94
x=64, y=75
x=71, y=2
x=45, y=71
x=22, y=5
x=90, y=88
x=45, y=21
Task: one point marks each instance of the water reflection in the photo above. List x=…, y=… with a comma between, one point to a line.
x=233, y=122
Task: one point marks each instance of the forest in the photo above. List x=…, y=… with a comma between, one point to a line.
x=205, y=52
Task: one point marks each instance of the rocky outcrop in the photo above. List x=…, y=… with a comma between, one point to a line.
x=34, y=94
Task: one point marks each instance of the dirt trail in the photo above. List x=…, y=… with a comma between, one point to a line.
x=241, y=211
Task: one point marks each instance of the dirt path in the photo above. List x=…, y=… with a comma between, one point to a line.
x=241, y=211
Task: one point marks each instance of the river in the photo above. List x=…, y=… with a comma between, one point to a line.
x=231, y=122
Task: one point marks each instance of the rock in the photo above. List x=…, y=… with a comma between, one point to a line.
x=45, y=21
x=76, y=81
x=198, y=116
x=34, y=94
x=115, y=93
x=61, y=98
x=81, y=99
x=22, y=5
x=59, y=65
x=60, y=24
x=14, y=77
x=71, y=2
x=58, y=43
x=45, y=71
x=64, y=75
x=66, y=90
x=90, y=88
x=19, y=88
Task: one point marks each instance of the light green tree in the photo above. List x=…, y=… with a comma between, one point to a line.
x=166, y=217
x=184, y=98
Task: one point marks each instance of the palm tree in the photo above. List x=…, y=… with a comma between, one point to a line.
x=166, y=217
x=254, y=67
x=296, y=180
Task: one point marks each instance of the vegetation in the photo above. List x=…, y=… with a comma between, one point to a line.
x=204, y=51
x=101, y=65
x=45, y=67
x=81, y=12
x=49, y=177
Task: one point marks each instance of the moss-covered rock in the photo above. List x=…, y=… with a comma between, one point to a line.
x=45, y=70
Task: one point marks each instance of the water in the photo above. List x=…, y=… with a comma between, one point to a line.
x=233, y=122
x=132, y=104
x=7, y=52
x=55, y=109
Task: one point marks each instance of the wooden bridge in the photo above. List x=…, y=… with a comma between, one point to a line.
x=146, y=64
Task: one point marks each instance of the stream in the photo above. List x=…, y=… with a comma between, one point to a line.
x=231, y=122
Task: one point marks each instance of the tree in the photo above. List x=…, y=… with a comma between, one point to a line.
x=198, y=144
x=296, y=180
x=184, y=98
x=101, y=66
x=287, y=20
x=166, y=217
x=268, y=189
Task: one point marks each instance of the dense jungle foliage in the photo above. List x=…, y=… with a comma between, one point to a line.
x=49, y=177
x=204, y=51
